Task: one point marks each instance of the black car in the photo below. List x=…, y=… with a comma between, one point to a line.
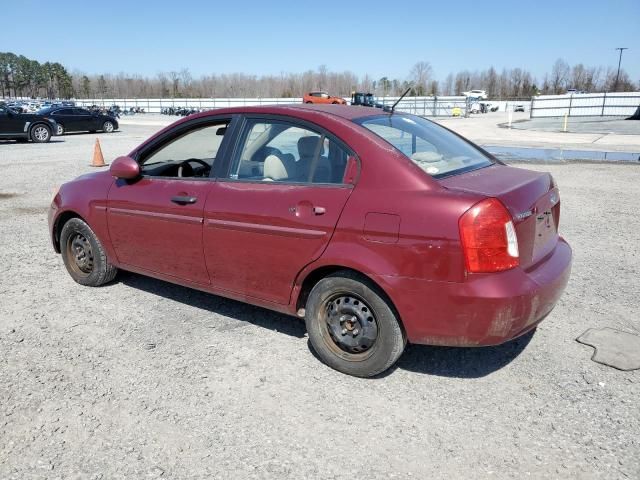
x=74, y=119
x=25, y=126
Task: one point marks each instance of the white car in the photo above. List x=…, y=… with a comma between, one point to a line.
x=481, y=94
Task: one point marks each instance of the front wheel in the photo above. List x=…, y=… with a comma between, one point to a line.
x=107, y=127
x=351, y=325
x=83, y=255
x=40, y=134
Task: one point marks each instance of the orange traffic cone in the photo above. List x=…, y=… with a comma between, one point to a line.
x=98, y=158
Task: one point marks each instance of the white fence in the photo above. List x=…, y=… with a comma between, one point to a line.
x=586, y=104
x=425, y=106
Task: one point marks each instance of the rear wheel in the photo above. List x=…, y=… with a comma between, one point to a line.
x=60, y=130
x=351, y=325
x=84, y=256
x=40, y=134
x=107, y=127
x=308, y=101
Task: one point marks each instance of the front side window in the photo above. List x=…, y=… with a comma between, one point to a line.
x=436, y=150
x=275, y=151
x=189, y=154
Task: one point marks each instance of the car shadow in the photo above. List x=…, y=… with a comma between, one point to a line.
x=453, y=362
x=99, y=132
x=462, y=362
x=15, y=142
x=239, y=311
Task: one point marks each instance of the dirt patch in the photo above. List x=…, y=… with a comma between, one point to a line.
x=6, y=195
x=30, y=210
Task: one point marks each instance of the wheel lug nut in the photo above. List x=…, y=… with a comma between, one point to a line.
x=344, y=331
x=355, y=332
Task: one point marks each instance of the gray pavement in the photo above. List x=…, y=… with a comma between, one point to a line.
x=599, y=125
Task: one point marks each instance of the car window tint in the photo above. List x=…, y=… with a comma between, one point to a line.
x=81, y=111
x=433, y=148
x=64, y=111
x=274, y=151
x=195, y=151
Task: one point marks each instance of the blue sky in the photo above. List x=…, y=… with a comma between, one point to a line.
x=374, y=37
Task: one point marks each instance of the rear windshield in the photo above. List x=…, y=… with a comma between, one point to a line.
x=436, y=150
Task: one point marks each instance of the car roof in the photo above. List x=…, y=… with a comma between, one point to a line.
x=347, y=112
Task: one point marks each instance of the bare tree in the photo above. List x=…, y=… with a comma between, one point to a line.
x=559, y=74
x=420, y=74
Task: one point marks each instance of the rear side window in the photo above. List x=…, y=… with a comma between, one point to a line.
x=279, y=151
x=436, y=150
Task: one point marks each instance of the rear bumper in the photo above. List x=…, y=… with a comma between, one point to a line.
x=485, y=309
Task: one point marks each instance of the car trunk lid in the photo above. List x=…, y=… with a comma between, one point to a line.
x=530, y=197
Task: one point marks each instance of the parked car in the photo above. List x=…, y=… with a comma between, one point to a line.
x=518, y=108
x=74, y=119
x=322, y=97
x=25, y=126
x=480, y=94
x=377, y=228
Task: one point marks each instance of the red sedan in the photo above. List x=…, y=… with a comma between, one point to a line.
x=376, y=227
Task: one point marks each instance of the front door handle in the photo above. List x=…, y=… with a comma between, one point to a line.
x=319, y=210
x=184, y=199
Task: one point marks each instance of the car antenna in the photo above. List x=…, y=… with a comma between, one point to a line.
x=393, y=107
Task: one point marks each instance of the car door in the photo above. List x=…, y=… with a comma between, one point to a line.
x=276, y=209
x=155, y=222
x=65, y=117
x=84, y=120
x=7, y=124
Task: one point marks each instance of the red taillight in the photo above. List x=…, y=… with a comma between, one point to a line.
x=488, y=237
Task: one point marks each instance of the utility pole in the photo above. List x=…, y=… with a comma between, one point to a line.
x=619, y=62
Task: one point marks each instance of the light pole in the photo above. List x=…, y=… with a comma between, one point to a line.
x=615, y=88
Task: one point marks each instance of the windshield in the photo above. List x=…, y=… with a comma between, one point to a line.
x=436, y=150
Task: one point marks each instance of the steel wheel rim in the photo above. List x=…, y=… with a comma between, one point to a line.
x=349, y=325
x=80, y=254
x=41, y=133
x=60, y=130
x=108, y=127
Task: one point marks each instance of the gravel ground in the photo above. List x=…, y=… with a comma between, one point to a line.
x=143, y=379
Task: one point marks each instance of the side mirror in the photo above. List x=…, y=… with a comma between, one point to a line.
x=125, y=168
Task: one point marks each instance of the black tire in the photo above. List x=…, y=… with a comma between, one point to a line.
x=60, y=129
x=40, y=133
x=358, y=294
x=308, y=101
x=108, y=127
x=84, y=256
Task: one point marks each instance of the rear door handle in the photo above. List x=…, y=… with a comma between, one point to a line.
x=184, y=199
x=319, y=210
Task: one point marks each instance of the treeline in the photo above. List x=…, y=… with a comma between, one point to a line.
x=23, y=77
x=20, y=77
